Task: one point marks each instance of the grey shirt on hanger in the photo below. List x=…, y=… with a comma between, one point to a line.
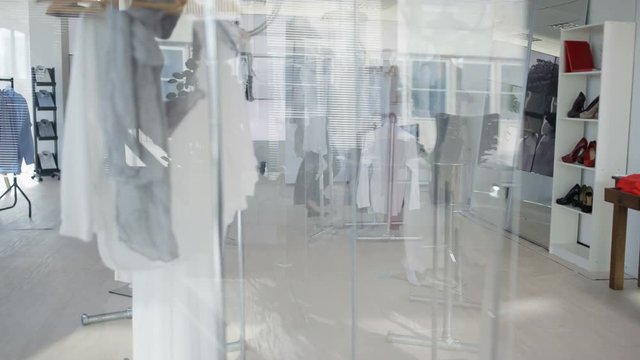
x=136, y=130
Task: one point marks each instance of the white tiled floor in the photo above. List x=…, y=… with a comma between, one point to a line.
x=299, y=295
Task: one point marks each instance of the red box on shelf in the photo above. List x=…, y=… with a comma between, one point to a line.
x=578, y=56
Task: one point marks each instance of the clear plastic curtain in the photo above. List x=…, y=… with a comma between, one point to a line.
x=378, y=123
x=308, y=190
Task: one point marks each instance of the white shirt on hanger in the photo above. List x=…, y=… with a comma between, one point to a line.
x=173, y=301
x=373, y=180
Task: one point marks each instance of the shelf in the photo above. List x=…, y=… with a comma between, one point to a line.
x=583, y=73
x=49, y=171
x=574, y=253
x=577, y=166
x=610, y=43
x=39, y=83
x=579, y=120
x=585, y=27
x=572, y=209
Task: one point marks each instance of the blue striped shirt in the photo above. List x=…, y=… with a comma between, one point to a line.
x=16, y=142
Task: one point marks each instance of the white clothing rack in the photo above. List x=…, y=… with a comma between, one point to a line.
x=446, y=341
x=127, y=314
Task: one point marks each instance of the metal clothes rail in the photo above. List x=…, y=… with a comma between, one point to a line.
x=14, y=186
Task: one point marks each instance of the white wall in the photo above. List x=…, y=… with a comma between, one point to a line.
x=608, y=10
x=14, y=42
x=627, y=10
x=633, y=234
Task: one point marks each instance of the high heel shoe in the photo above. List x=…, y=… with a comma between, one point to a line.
x=577, y=151
x=587, y=203
x=590, y=155
x=592, y=110
x=571, y=197
x=580, y=158
x=578, y=106
x=580, y=200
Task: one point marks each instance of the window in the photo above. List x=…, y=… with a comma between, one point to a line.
x=473, y=91
x=510, y=90
x=428, y=88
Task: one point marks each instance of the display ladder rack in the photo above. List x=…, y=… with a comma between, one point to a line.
x=581, y=239
x=37, y=138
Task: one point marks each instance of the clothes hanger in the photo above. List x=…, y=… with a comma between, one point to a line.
x=75, y=8
x=174, y=6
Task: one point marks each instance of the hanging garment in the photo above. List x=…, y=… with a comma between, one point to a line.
x=172, y=300
x=537, y=103
x=489, y=152
x=545, y=151
x=375, y=167
x=136, y=130
x=315, y=108
x=88, y=192
x=391, y=92
x=309, y=182
x=311, y=136
x=16, y=141
x=527, y=151
x=175, y=306
x=455, y=155
x=532, y=123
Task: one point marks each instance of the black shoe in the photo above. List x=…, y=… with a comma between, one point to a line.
x=578, y=106
x=587, y=203
x=578, y=201
x=591, y=110
x=572, y=196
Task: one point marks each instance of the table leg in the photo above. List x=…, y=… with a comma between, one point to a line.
x=618, y=243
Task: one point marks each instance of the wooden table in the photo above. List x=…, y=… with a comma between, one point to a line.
x=622, y=202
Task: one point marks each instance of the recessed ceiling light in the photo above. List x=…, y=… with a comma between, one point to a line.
x=525, y=37
x=564, y=25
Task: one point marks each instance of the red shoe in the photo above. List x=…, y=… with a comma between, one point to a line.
x=590, y=155
x=577, y=151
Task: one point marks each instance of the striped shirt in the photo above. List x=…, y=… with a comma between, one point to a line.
x=16, y=142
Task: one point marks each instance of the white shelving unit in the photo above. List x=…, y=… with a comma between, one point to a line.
x=613, y=46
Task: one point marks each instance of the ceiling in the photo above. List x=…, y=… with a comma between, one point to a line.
x=555, y=12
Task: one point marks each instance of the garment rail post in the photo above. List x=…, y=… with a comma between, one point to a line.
x=390, y=177
x=452, y=275
x=326, y=225
x=14, y=186
x=241, y=288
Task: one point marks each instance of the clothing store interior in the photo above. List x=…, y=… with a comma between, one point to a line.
x=319, y=179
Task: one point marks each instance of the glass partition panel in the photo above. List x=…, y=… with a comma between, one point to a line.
x=294, y=179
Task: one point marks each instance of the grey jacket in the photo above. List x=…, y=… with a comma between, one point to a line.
x=136, y=130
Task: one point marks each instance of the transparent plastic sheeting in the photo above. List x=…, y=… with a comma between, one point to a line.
x=306, y=178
